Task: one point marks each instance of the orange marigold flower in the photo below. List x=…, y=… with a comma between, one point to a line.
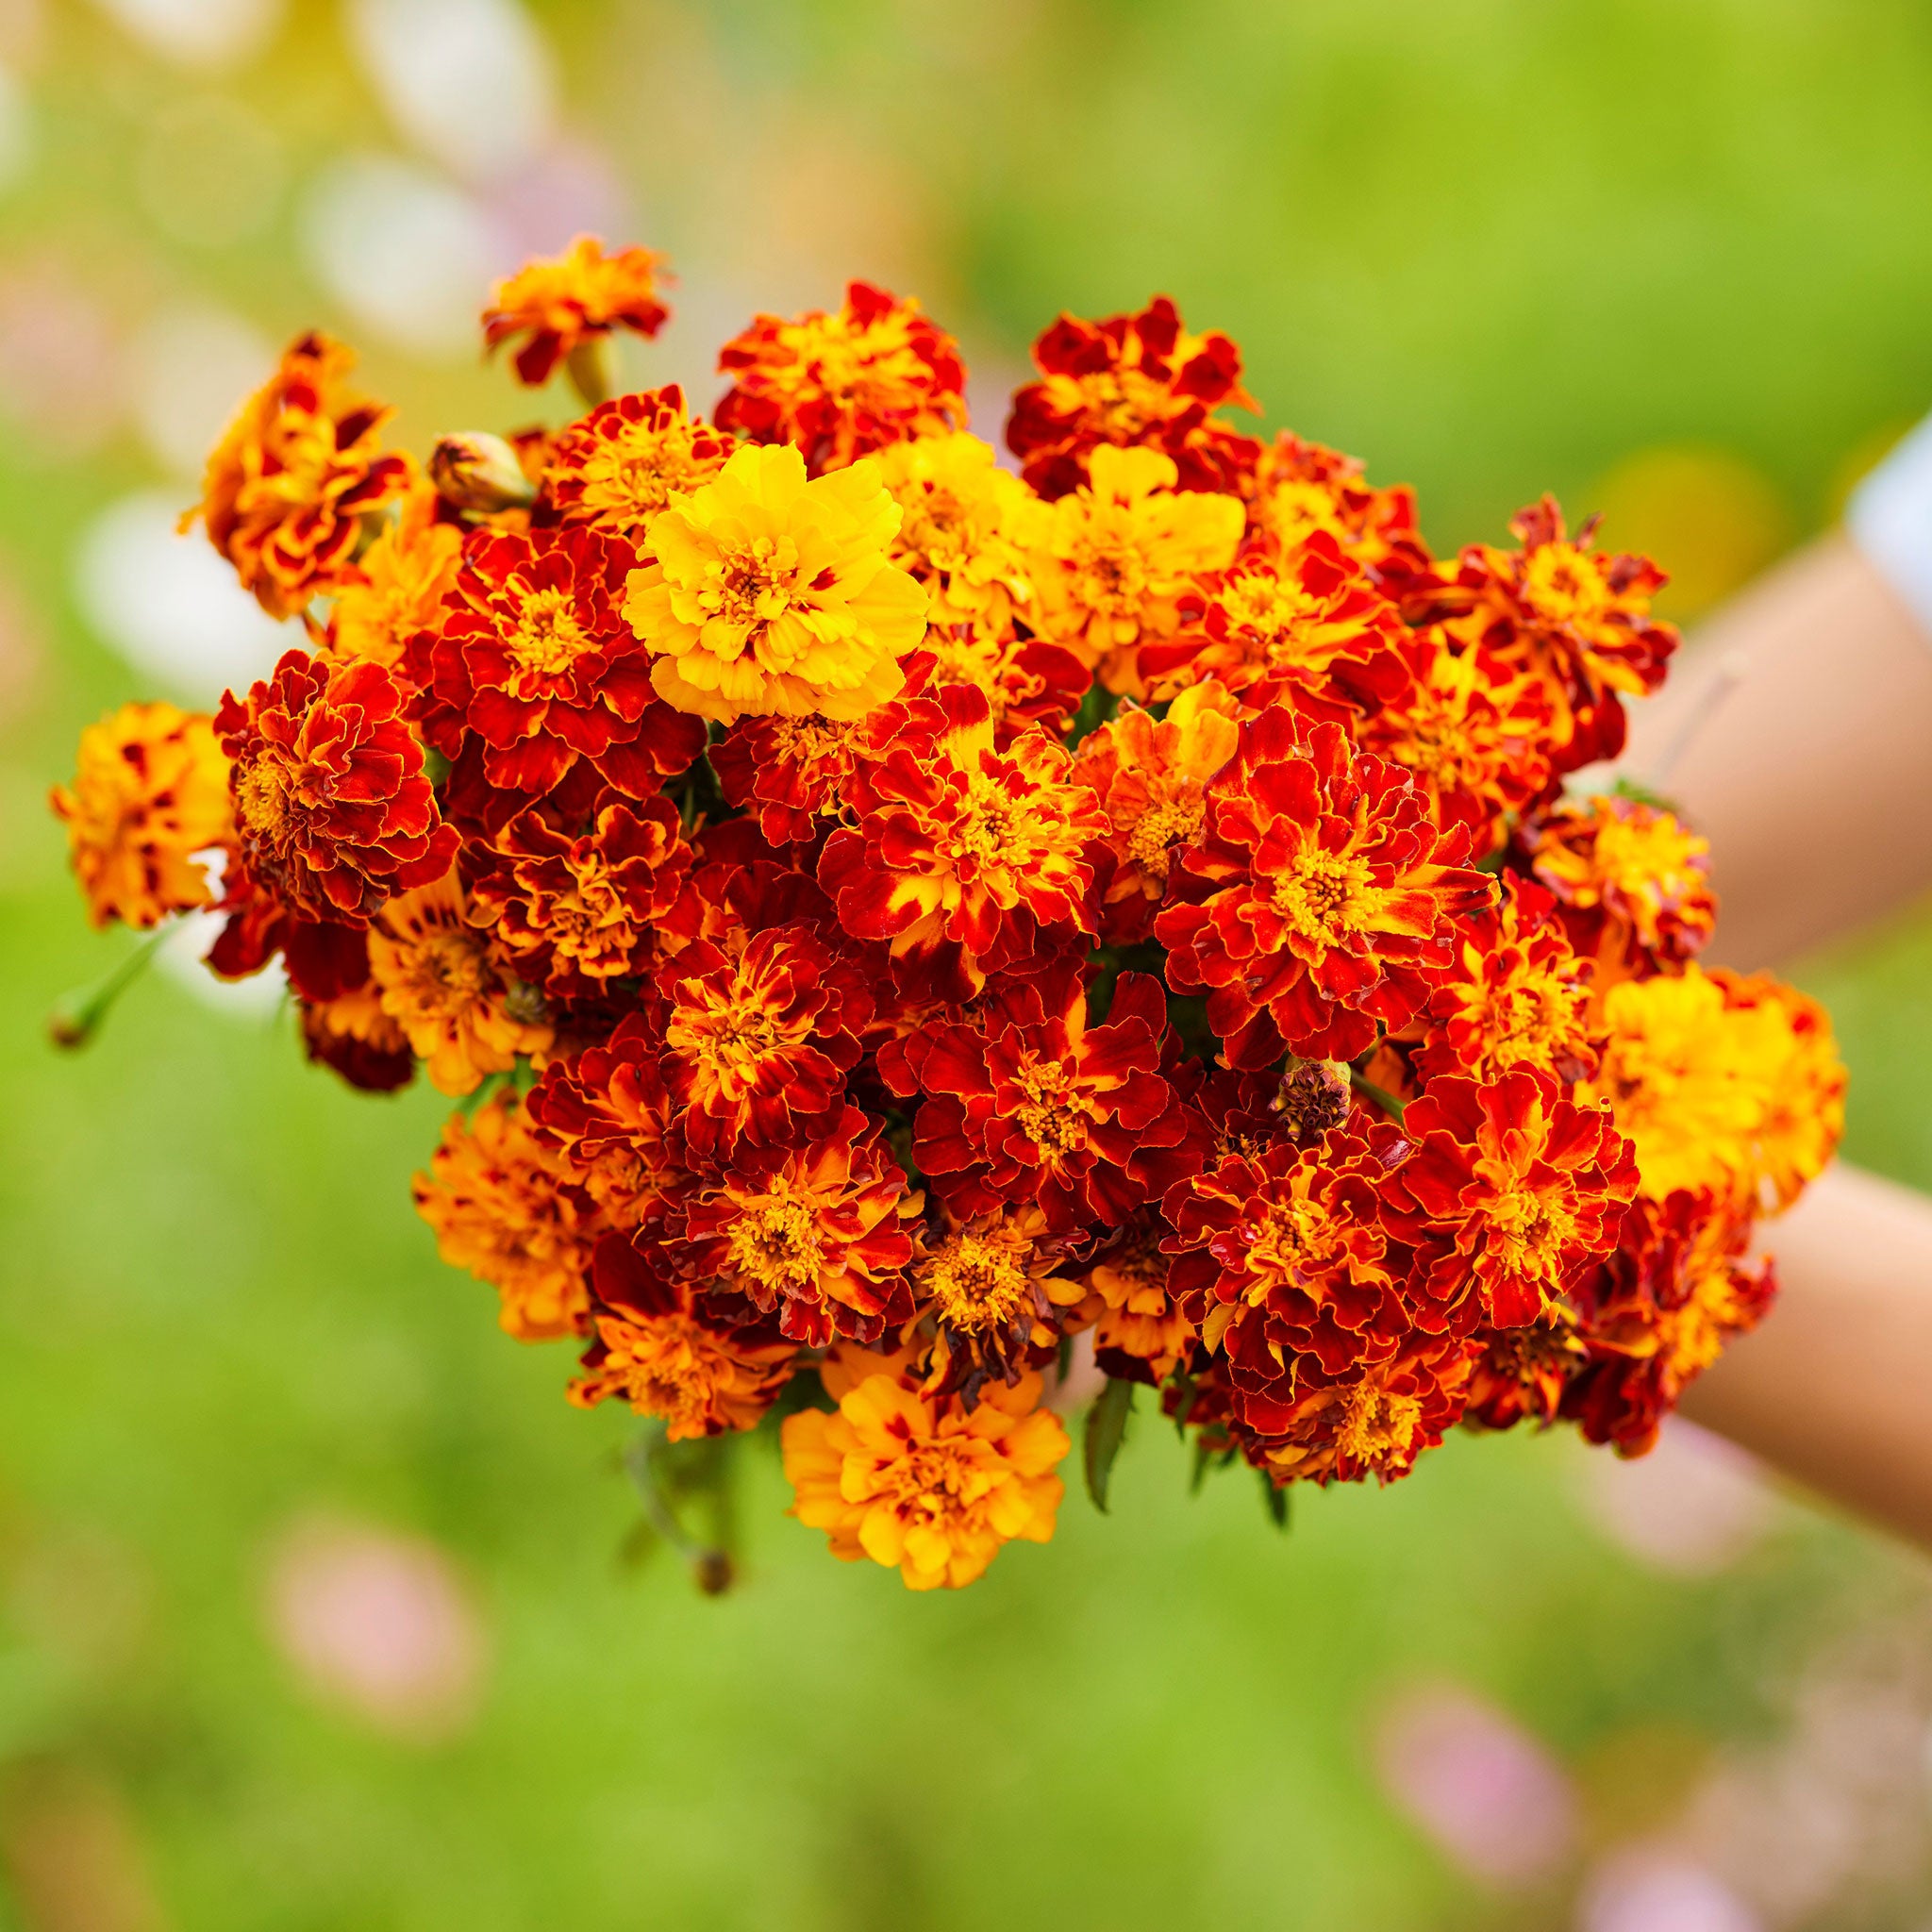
x=1513, y=1188
x=1322, y=899
x=1523, y=1374
x=967, y=531
x=570, y=913
x=1114, y=559
x=836, y=387
x=998, y=1290
x=765, y=592
x=922, y=1483
x=1307, y=628
x=1151, y=778
x=333, y=811
x=1728, y=1085
x=814, y=1231
x=1302, y=488
x=401, y=581
x=671, y=1349
x=624, y=461
x=608, y=1113
x=1142, y=1334
x=532, y=657
x=789, y=771
x=150, y=791
x=1578, y=617
x=1028, y=1101
x=561, y=303
x=1632, y=881
x=1472, y=731
x=436, y=980
x=965, y=859
x=1516, y=994
x=1374, y=1419
x=289, y=483
x=1663, y=1308
x=503, y=1205
x=757, y=1034
x=1131, y=380
x=1282, y=1262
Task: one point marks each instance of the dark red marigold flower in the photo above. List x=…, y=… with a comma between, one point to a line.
x=1026, y=1101
x=1281, y=1253
x=332, y=809
x=1577, y=617
x=757, y=1033
x=534, y=658
x=570, y=913
x=608, y=1111
x=839, y=385
x=1322, y=900
x=966, y=860
x=1522, y=1374
x=1132, y=379
x=1515, y=994
x=1665, y=1305
x=1513, y=1189
x=816, y=1230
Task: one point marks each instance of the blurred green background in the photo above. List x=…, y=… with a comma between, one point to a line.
x=311, y=1608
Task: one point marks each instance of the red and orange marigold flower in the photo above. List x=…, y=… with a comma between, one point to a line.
x=918, y=941
x=555, y=306
x=1322, y=900
x=1140, y=381
x=290, y=485
x=838, y=385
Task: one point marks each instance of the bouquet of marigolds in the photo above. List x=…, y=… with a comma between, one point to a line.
x=922, y=945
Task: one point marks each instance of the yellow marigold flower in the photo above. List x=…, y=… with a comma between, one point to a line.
x=559, y=304
x=1116, y=557
x=503, y=1205
x=440, y=984
x=1728, y=1087
x=922, y=1483
x=968, y=527
x=290, y=481
x=767, y=593
x=151, y=790
x=405, y=574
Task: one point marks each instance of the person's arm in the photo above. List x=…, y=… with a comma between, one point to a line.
x=1834, y=1387
x=1811, y=774
x=1797, y=733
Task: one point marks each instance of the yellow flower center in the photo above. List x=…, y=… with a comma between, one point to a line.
x=775, y=1241
x=727, y=1032
x=1529, y=1232
x=978, y=1281
x=1296, y=1239
x=1049, y=1116
x=548, y=639
x=1167, y=824
x=1326, y=897
x=1109, y=575
x=1293, y=510
x=632, y=478
x=261, y=798
x=1566, y=584
x=1274, y=609
x=748, y=585
x=1379, y=1425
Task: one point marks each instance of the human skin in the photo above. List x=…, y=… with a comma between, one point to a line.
x=1794, y=734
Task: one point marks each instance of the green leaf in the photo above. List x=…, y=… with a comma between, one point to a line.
x=1275, y=1496
x=1107, y=1428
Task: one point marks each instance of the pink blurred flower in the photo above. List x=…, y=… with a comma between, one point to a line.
x=1489, y=1795
x=380, y=1625
x=1695, y=1505
x=1644, y=1888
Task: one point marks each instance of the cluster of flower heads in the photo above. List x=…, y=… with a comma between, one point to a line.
x=912, y=933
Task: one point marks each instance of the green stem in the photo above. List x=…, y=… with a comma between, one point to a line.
x=710, y=1568
x=592, y=367
x=77, y=1016
x=1384, y=1100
